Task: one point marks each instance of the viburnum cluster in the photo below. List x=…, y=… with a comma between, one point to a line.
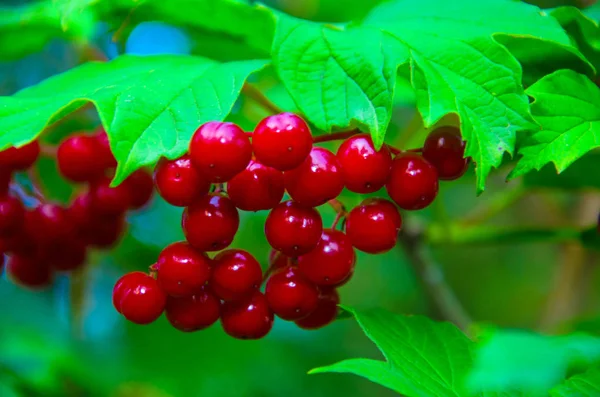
x=42, y=237
x=308, y=261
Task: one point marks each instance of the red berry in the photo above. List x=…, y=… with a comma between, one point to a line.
x=364, y=169
x=331, y=262
x=290, y=295
x=325, y=313
x=373, y=226
x=12, y=215
x=68, y=255
x=20, y=158
x=5, y=179
x=178, y=182
x=210, y=224
x=124, y=284
x=182, y=270
x=80, y=211
x=141, y=187
x=317, y=180
x=220, y=150
x=142, y=300
x=49, y=223
x=104, y=155
x=193, y=313
x=29, y=271
x=106, y=200
x=445, y=150
x=282, y=141
x=2, y=258
x=247, y=318
x=258, y=187
x=413, y=182
x=77, y=158
x=106, y=232
x=293, y=228
x=235, y=274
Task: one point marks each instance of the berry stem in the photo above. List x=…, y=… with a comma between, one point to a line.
x=338, y=217
x=393, y=149
x=260, y=98
x=335, y=136
x=416, y=150
x=48, y=150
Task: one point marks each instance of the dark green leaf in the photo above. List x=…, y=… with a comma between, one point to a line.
x=150, y=106
x=582, y=385
x=584, y=31
x=577, y=176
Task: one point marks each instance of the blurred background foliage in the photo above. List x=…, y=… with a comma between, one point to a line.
x=69, y=341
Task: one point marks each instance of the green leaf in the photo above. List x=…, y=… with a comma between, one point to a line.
x=27, y=29
x=150, y=106
x=567, y=108
x=339, y=78
x=582, y=385
x=584, y=31
x=576, y=177
x=536, y=363
x=459, y=67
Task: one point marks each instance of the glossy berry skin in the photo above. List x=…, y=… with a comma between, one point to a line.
x=331, y=262
x=182, y=270
x=364, y=169
x=325, y=313
x=258, y=187
x=178, y=182
x=293, y=228
x=282, y=141
x=317, y=180
x=142, y=301
x=220, y=150
x=77, y=158
x=193, y=313
x=29, y=271
x=445, y=150
x=290, y=295
x=247, y=318
x=21, y=158
x=124, y=284
x=235, y=273
x=110, y=201
x=141, y=187
x=210, y=224
x=413, y=182
x=104, y=155
x=373, y=226
x=12, y=215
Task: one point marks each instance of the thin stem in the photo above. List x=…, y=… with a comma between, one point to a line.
x=493, y=206
x=336, y=136
x=260, y=98
x=431, y=277
x=393, y=149
x=416, y=150
x=337, y=219
x=36, y=183
x=48, y=150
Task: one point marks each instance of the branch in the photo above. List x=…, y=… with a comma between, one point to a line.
x=432, y=280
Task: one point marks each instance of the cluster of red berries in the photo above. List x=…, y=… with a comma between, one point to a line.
x=308, y=262
x=42, y=237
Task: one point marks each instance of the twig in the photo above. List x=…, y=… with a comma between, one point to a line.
x=336, y=136
x=260, y=98
x=432, y=280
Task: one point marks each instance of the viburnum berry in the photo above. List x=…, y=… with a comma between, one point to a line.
x=373, y=226
x=80, y=211
x=20, y=158
x=325, y=313
x=444, y=148
x=48, y=223
x=277, y=259
x=258, y=187
x=182, y=270
x=413, y=182
x=194, y=312
x=331, y=262
x=12, y=215
x=5, y=179
x=141, y=299
x=293, y=229
x=178, y=181
x=29, y=271
x=317, y=180
x=235, y=273
x=104, y=155
x=247, y=318
x=107, y=200
x=141, y=187
x=124, y=284
x=68, y=255
x=104, y=232
x=220, y=150
x=210, y=224
x=282, y=141
x=77, y=158
x=291, y=296
x=364, y=169
x=1, y=262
